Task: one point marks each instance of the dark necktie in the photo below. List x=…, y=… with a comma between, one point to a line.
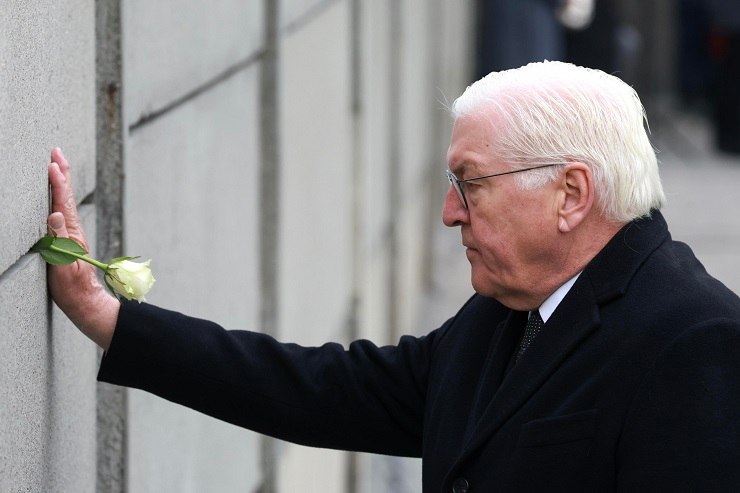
x=534, y=325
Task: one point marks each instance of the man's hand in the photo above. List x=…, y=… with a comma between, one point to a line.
x=75, y=288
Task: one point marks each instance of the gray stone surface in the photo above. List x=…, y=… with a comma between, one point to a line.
x=47, y=75
x=71, y=398
x=24, y=415
x=47, y=387
x=191, y=206
x=202, y=40
x=315, y=256
x=316, y=210
x=296, y=13
x=189, y=137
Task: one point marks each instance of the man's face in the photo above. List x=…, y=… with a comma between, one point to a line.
x=510, y=234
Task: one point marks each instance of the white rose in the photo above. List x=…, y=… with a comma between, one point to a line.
x=132, y=280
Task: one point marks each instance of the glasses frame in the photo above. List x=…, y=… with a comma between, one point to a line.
x=456, y=182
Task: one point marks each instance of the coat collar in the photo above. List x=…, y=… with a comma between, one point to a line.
x=611, y=271
x=605, y=278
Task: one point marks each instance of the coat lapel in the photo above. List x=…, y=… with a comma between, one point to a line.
x=560, y=337
x=577, y=316
x=495, y=368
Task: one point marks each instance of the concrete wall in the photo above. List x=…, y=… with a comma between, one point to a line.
x=280, y=162
x=47, y=369
x=190, y=162
x=322, y=111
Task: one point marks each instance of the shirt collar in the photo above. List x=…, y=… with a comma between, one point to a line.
x=551, y=303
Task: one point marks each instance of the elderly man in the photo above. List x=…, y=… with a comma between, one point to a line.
x=597, y=354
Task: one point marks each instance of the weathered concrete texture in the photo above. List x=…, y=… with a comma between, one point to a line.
x=173, y=47
x=47, y=389
x=71, y=401
x=304, y=469
x=47, y=99
x=419, y=165
x=375, y=113
x=433, y=39
x=294, y=13
x=315, y=198
x=315, y=260
x=191, y=206
x=191, y=202
x=111, y=401
x=24, y=416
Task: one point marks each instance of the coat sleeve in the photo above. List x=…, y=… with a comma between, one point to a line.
x=364, y=398
x=683, y=430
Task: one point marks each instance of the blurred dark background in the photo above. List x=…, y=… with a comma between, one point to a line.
x=682, y=56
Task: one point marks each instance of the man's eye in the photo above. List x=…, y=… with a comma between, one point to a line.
x=468, y=186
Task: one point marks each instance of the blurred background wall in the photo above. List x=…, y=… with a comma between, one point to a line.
x=281, y=163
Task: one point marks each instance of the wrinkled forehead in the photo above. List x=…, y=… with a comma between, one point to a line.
x=484, y=126
x=474, y=140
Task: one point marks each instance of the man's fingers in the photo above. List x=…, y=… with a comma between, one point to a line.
x=62, y=199
x=63, y=205
x=58, y=157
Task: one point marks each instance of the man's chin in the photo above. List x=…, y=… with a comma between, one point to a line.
x=481, y=287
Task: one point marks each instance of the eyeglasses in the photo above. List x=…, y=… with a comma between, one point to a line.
x=457, y=183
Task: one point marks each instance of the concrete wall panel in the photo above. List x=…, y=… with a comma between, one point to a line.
x=72, y=393
x=304, y=469
x=375, y=112
x=191, y=129
x=191, y=202
x=47, y=387
x=24, y=417
x=172, y=448
x=417, y=98
x=316, y=179
x=376, y=96
x=47, y=75
x=316, y=229
x=375, y=301
x=173, y=47
x=293, y=12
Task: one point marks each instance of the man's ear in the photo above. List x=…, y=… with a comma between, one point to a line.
x=576, y=196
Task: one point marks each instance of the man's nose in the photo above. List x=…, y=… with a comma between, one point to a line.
x=454, y=212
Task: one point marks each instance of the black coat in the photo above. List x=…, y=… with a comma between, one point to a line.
x=632, y=385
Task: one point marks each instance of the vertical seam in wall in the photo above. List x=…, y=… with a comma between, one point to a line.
x=394, y=158
x=269, y=203
x=433, y=175
x=351, y=476
x=112, y=415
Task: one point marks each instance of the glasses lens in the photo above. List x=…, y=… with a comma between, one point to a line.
x=458, y=188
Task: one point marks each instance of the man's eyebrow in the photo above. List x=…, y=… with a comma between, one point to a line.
x=459, y=168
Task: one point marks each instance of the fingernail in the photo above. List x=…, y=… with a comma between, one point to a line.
x=59, y=171
x=56, y=221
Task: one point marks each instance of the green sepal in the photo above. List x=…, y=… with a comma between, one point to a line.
x=119, y=259
x=110, y=286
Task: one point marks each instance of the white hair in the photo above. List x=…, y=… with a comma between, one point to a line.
x=551, y=112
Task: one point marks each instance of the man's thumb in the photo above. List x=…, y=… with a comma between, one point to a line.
x=56, y=223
